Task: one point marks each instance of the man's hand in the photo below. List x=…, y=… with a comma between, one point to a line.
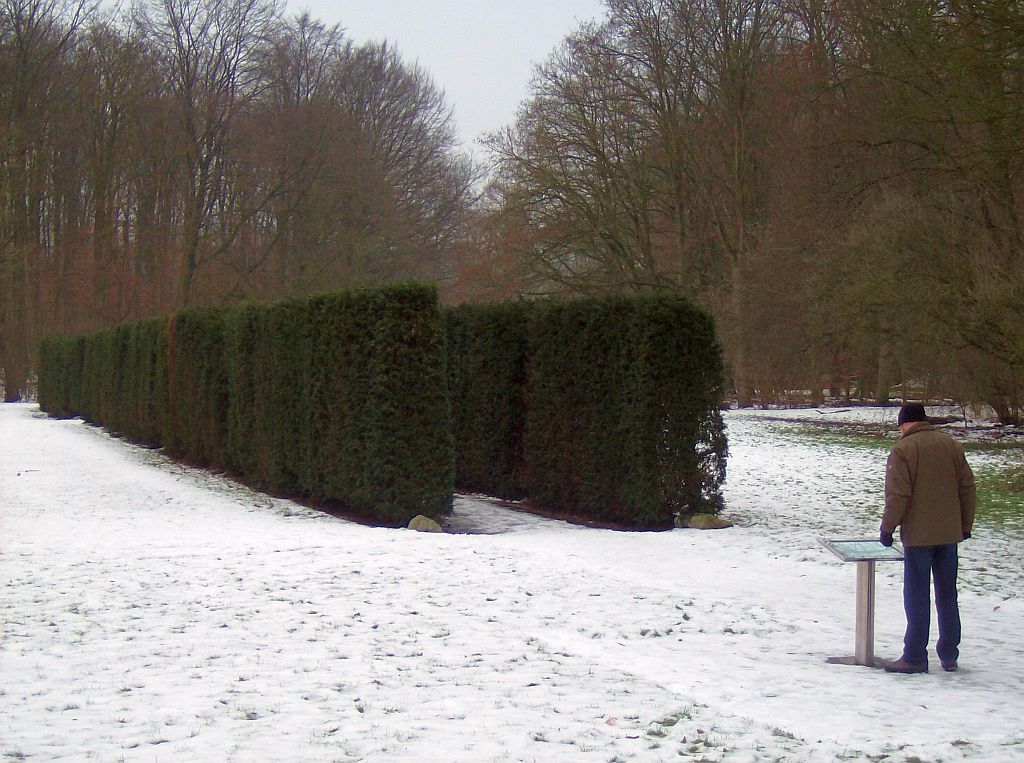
x=885, y=538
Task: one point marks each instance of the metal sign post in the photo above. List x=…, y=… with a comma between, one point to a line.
x=865, y=553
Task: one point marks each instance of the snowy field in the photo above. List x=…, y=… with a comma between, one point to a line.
x=157, y=613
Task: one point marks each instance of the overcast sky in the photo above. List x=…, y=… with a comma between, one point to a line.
x=480, y=52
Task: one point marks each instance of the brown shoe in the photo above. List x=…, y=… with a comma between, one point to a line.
x=902, y=666
x=949, y=666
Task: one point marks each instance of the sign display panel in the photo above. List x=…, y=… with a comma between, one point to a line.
x=862, y=550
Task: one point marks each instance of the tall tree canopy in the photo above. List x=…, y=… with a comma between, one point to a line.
x=201, y=151
x=838, y=180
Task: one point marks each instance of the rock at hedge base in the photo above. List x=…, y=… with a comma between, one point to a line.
x=702, y=522
x=424, y=524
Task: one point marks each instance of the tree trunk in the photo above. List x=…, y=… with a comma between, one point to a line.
x=15, y=380
x=1009, y=414
x=883, y=382
x=13, y=329
x=190, y=246
x=740, y=361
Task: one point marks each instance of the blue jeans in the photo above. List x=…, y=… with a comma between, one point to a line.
x=922, y=564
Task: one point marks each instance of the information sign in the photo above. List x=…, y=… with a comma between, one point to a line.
x=863, y=551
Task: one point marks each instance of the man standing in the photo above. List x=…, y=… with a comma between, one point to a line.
x=930, y=496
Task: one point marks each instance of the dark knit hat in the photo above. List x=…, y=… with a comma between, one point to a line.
x=912, y=412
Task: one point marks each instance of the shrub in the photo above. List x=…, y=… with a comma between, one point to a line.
x=580, y=453
x=341, y=398
x=486, y=358
x=380, y=426
x=281, y=406
x=599, y=408
x=60, y=375
x=267, y=351
x=141, y=399
x=241, y=342
x=101, y=377
x=195, y=425
x=678, y=405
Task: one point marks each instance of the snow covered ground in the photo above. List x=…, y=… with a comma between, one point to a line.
x=157, y=613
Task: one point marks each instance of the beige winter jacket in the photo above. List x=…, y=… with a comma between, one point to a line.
x=929, y=489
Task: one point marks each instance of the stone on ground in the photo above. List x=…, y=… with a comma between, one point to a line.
x=424, y=524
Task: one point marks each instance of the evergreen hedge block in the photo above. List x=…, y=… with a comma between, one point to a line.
x=604, y=408
x=97, y=376
x=195, y=424
x=380, y=427
x=578, y=452
x=267, y=375
x=281, y=405
x=677, y=408
x=241, y=341
x=60, y=375
x=486, y=356
x=141, y=400
x=372, y=400
x=342, y=398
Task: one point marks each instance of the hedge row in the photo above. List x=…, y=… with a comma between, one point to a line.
x=486, y=364
x=341, y=399
x=116, y=377
x=601, y=408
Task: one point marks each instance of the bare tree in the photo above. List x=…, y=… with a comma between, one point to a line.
x=203, y=151
x=213, y=50
x=639, y=161
x=408, y=127
x=36, y=38
x=949, y=135
x=114, y=82
x=316, y=231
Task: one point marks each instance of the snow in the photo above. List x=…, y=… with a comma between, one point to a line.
x=157, y=612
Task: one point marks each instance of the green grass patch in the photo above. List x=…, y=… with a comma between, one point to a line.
x=1000, y=488
x=993, y=446
x=869, y=436
x=873, y=441
x=1000, y=495
x=849, y=436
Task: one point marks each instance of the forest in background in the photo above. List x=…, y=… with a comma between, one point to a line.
x=199, y=152
x=837, y=181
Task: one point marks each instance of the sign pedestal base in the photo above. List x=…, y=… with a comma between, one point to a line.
x=875, y=662
x=865, y=554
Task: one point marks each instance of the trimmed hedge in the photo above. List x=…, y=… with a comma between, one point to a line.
x=281, y=404
x=196, y=420
x=61, y=359
x=115, y=378
x=144, y=386
x=486, y=362
x=341, y=399
x=268, y=418
x=599, y=408
x=380, y=429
